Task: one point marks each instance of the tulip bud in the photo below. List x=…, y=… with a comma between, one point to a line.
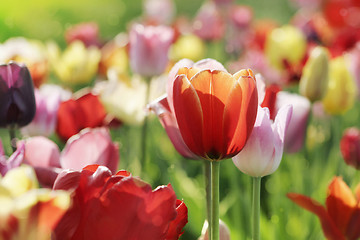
x=149, y=47
x=224, y=232
x=350, y=147
x=188, y=46
x=341, y=92
x=314, y=79
x=17, y=100
x=286, y=43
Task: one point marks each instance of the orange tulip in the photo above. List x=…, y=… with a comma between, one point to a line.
x=341, y=217
x=214, y=110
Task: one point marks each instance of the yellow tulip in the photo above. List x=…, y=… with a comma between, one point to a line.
x=188, y=46
x=76, y=65
x=341, y=92
x=285, y=43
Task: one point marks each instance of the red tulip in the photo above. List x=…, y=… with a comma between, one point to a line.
x=118, y=206
x=340, y=218
x=77, y=114
x=87, y=32
x=350, y=147
x=213, y=111
x=17, y=99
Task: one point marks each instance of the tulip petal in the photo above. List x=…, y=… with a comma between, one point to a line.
x=243, y=97
x=209, y=64
x=176, y=226
x=188, y=113
x=168, y=121
x=340, y=203
x=353, y=230
x=213, y=88
x=329, y=228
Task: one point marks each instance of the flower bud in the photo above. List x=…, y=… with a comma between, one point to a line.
x=341, y=92
x=314, y=79
x=17, y=100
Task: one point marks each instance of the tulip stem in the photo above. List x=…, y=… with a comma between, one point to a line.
x=145, y=127
x=213, y=197
x=256, y=207
x=12, y=133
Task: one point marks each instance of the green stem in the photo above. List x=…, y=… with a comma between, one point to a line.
x=145, y=127
x=256, y=207
x=12, y=134
x=208, y=188
x=214, y=200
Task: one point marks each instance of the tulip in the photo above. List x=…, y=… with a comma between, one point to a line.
x=76, y=114
x=270, y=99
x=77, y=65
x=188, y=46
x=350, y=147
x=314, y=79
x=45, y=118
x=295, y=134
x=286, y=43
x=32, y=53
x=263, y=151
x=149, y=46
x=87, y=33
x=118, y=206
x=341, y=92
x=90, y=146
x=226, y=130
x=17, y=100
x=340, y=217
x=208, y=24
x=28, y=212
x=214, y=112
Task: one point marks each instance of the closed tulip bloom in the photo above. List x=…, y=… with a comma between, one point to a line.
x=87, y=32
x=224, y=232
x=314, y=79
x=342, y=90
x=263, y=151
x=350, y=147
x=149, y=46
x=118, y=206
x=213, y=110
x=17, y=99
x=14, y=160
x=340, y=216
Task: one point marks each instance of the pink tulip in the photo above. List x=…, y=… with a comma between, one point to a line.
x=208, y=23
x=149, y=46
x=44, y=122
x=159, y=11
x=90, y=146
x=87, y=32
x=295, y=135
x=263, y=151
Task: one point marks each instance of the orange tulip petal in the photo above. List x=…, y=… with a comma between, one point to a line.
x=329, y=228
x=213, y=88
x=340, y=203
x=189, y=115
x=189, y=72
x=245, y=121
x=357, y=193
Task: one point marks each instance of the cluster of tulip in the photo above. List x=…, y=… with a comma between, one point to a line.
x=62, y=180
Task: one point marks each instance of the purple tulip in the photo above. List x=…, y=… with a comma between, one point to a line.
x=149, y=46
x=17, y=100
x=263, y=151
x=14, y=160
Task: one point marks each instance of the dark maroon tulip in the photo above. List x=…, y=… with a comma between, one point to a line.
x=17, y=100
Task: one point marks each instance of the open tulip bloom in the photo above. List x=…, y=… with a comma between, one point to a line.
x=208, y=114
